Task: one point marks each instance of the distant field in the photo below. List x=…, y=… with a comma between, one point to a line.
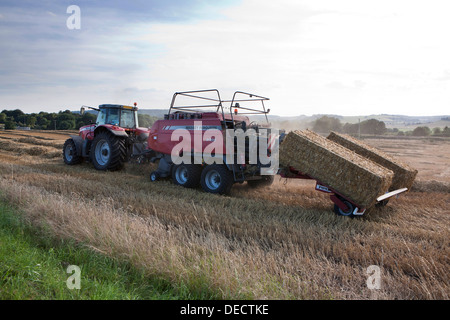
x=402, y=123
x=282, y=242
x=430, y=156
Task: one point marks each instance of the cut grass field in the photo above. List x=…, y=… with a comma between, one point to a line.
x=282, y=242
x=33, y=265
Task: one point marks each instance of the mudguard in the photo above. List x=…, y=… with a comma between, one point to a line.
x=113, y=129
x=78, y=143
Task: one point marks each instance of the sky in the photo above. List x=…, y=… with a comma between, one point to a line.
x=346, y=57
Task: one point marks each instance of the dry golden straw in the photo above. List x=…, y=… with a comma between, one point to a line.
x=355, y=177
x=404, y=175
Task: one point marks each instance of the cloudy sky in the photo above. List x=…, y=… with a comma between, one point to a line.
x=348, y=57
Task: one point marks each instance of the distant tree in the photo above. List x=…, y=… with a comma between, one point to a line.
x=373, y=126
x=350, y=128
x=146, y=120
x=31, y=121
x=66, y=125
x=17, y=114
x=421, y=131
x=326, y=124
x=437, y=131
x=42, y=122
x=2, y=117
x=85, y=119
x=65, y=120
x=10, y=125
x=446, y=132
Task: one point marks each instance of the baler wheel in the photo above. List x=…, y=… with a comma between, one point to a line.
x=154, y=176
x=187, y=175
x=348, y=213
x=217, y=178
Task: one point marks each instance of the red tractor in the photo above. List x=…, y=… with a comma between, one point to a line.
x=111, y=141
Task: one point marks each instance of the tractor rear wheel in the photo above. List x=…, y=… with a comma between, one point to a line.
x=108, y=152
x=216, y=178
x=70, y=153
x=187, y=175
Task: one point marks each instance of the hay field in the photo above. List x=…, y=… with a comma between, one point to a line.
x=282, y=242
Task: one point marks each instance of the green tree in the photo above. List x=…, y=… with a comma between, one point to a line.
x=437, y=131
x=10, y=125
x=31, y=121
x=146, y=120
x=85, y=119
x=16, y=114
x=65, y=120
x=42, y=122
x=2, y=117
x=66, y=125
x=350, y=128
x=373, y=126
x=326, y=124
x=421, y=131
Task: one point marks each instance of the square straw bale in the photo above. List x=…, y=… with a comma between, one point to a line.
x=355, y=177
x=404, y=175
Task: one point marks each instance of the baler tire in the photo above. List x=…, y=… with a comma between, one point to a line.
x=154, y=176
x=339, y=211
x=108, y=152
x=187, y=175
x=217, y=179
x=70, y=155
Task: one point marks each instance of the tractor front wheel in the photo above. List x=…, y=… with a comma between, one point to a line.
x=108, y=152
x=70, y=153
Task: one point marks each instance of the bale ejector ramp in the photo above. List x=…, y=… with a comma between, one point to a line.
x=354, y=181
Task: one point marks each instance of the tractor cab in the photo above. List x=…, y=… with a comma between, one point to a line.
x=117, y=115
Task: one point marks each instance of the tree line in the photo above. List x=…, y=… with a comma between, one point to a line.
x=62, y=120
x=326, y=124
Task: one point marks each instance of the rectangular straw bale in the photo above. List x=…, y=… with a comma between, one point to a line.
x=404, y=175
x=355, y=177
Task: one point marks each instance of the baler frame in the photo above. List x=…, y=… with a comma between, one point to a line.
x=219, y=105
x=343, y=204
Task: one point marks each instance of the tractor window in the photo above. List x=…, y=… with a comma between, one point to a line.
x=127, y=119
x=101, y=117
x=113, y=116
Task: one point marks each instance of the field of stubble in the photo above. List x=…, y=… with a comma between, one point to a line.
x=281, y=242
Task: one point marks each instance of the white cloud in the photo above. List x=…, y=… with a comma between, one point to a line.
x=292, y=51
x=309, y=56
